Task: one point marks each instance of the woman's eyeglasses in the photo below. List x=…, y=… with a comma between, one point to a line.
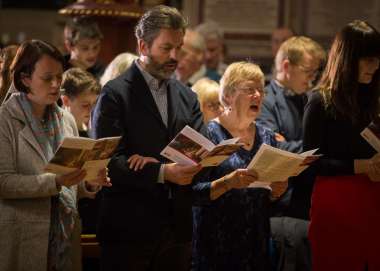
x=252, y=90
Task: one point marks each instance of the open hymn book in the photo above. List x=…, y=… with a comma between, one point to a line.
x=83, y=153
x=275, y=165
x=190, y=148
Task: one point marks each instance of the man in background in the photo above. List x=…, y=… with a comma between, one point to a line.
x=215, y=50
x=297, y=63
x=191, y=65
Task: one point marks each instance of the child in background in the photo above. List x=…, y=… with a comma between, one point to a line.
x=83, y=40
x=79, y=93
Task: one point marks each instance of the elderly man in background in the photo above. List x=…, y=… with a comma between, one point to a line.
x=191, y=65
x=215, y=50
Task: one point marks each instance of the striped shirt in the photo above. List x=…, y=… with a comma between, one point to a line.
x=160, y=96
x=159, y=92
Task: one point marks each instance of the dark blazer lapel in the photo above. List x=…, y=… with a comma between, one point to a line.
x=141, y=89
x=173, y=98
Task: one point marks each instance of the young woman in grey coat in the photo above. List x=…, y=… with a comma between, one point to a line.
x=39, y=228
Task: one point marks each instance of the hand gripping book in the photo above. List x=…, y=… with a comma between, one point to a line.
x=83, y=153
x=275, y=165
x=372, y=133
x=190, y=148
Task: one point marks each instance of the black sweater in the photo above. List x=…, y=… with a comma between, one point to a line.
x=340, y=142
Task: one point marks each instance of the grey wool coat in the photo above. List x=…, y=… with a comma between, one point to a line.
x=25, y=192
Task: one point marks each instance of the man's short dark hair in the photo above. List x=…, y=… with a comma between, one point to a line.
x=157, y=18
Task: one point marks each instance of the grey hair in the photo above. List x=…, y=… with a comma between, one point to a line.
x=195, y=40
x=157, y=18
x=210, y=30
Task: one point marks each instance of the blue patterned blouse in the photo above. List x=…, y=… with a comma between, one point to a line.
x=232, y=232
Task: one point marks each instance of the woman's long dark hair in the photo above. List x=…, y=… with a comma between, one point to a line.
x=339, y=82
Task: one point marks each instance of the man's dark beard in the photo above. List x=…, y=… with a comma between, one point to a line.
x=157, y=69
